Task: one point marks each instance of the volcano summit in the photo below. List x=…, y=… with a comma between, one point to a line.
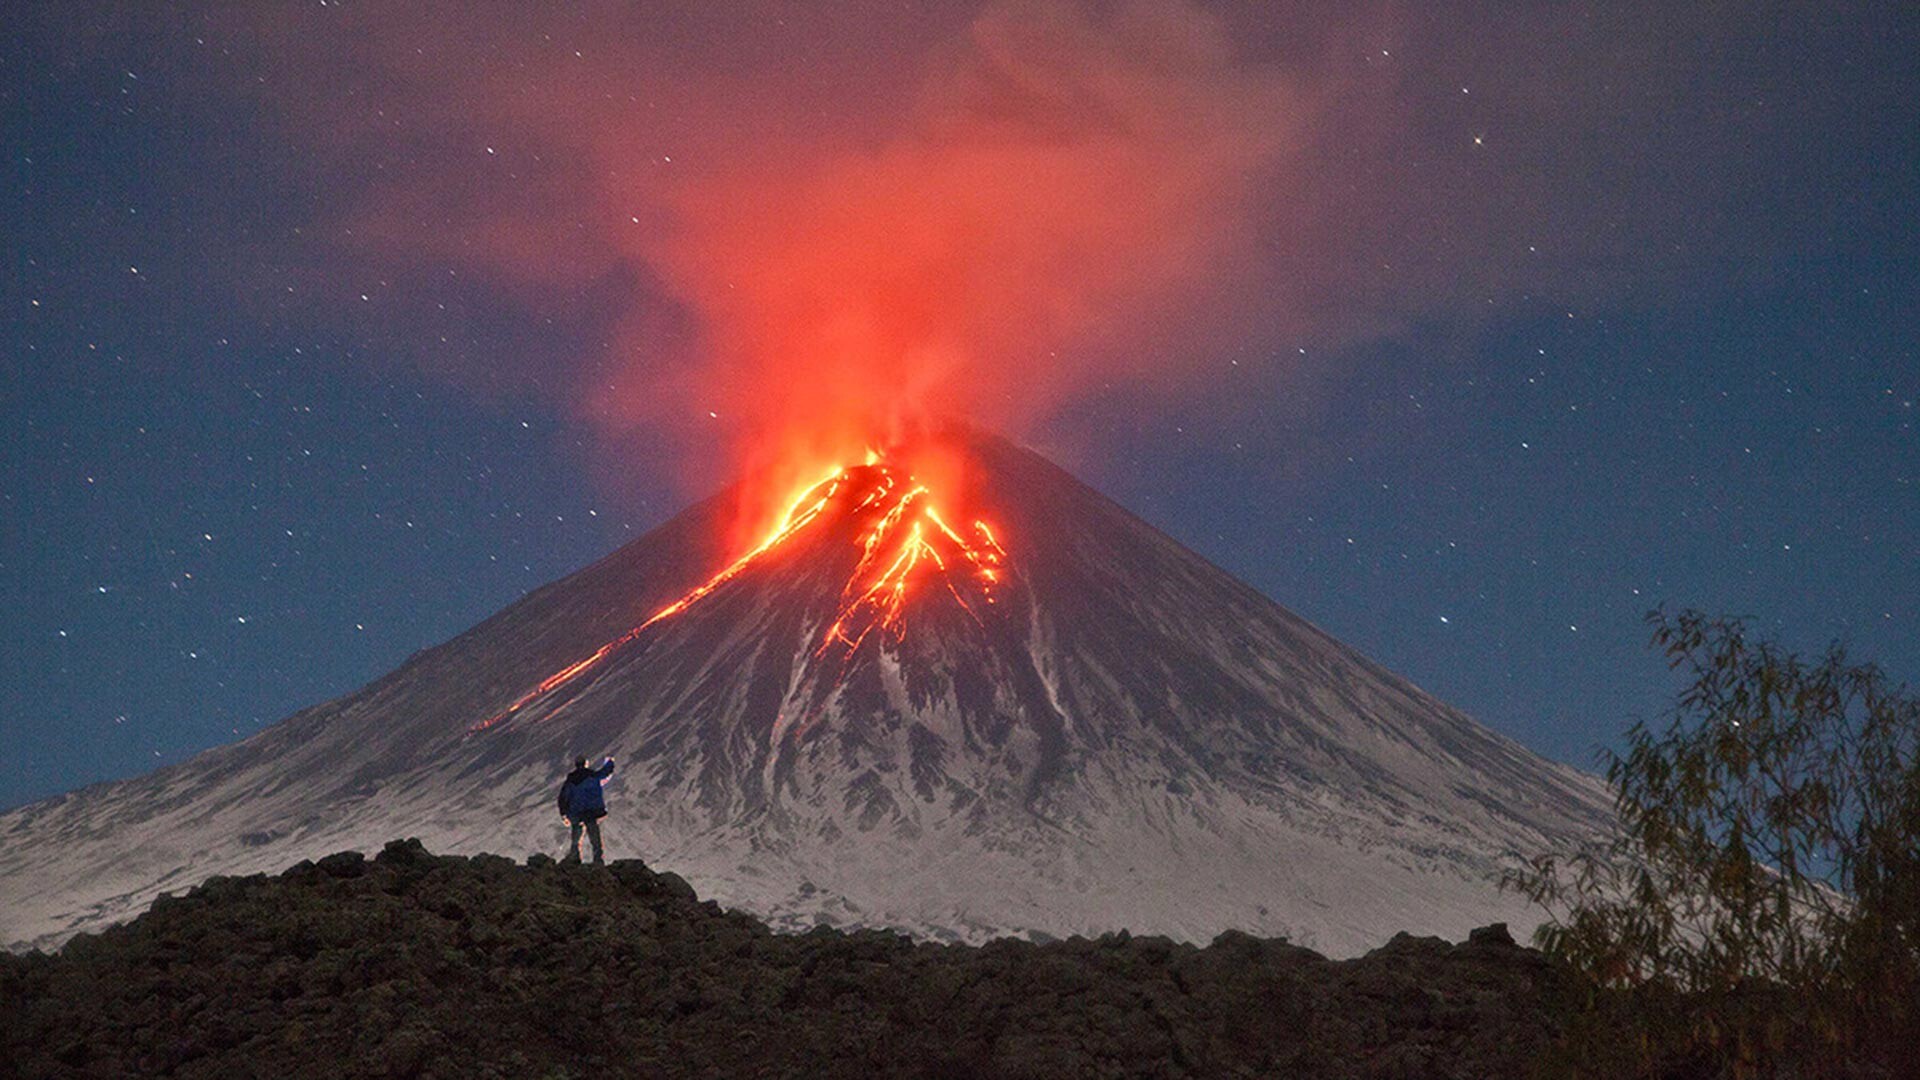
x=1012, y=708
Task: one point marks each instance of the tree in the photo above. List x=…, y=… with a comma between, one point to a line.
x=1763, y=881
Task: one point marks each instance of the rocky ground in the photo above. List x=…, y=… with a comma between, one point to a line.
x=410, y=964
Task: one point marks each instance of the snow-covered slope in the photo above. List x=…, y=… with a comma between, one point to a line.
x=1101, y=730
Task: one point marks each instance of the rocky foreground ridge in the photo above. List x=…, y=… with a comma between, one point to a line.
x=411, y=964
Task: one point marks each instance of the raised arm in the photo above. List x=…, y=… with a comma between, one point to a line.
x=605, y=770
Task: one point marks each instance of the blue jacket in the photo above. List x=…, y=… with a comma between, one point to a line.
x=580, y=796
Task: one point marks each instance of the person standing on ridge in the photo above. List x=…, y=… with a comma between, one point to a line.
x=583, y=805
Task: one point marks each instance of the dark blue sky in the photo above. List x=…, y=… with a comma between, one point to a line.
x=1639, y=329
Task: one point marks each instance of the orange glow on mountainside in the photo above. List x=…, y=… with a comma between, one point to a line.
x=907, y=542
x=906, y=546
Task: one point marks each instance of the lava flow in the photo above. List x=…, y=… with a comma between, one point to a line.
x=908, y=534
x=903, y=540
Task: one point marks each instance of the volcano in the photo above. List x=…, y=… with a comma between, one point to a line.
x=1016, y=709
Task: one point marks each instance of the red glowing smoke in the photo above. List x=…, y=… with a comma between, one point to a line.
x=790, y=230
x=874, y=221
x=1064, y=182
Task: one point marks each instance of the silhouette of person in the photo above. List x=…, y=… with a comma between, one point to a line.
x=583, y=805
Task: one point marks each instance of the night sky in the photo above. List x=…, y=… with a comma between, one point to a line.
x=1469, y=336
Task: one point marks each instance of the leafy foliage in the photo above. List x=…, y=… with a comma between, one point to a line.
x=1763, y=883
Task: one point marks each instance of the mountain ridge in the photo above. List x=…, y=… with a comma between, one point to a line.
x=1116, y=733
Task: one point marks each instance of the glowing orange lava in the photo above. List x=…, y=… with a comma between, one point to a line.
x=903, y=540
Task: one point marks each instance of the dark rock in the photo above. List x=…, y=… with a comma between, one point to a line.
x=1237, y=943
x=1405, y=944
x=343, y=864
x=1495, y=935
x=674, y=885
x=408, y=854
x=629, y=869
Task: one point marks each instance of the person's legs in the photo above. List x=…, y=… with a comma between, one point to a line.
x=573, y=854
x=593, y=834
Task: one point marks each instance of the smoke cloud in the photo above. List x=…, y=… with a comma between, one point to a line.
x=1065, y=188
x=787, y=231
x=997, y=217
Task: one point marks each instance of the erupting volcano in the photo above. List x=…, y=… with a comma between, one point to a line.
x=950, y=689
x=894, y=521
